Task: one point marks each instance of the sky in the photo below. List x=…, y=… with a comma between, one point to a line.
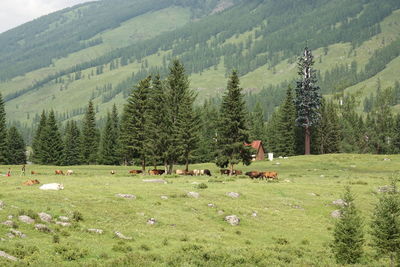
x=17, y=12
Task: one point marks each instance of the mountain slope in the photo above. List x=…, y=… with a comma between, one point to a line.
x=259, y=38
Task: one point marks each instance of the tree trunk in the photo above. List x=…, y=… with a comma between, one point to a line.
x=187, y=165
x=143, y=166
x=170, y=167
x=307, y=141
x=231, y=170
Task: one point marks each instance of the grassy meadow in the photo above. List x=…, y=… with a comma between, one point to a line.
x=285, y=223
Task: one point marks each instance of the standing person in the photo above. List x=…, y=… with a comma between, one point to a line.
x=23, y=170
x=9, y=172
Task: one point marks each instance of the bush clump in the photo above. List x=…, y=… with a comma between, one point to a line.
x=70, y=252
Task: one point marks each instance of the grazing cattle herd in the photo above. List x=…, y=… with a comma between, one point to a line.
x=197, y=172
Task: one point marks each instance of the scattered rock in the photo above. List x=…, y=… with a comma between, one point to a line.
x=277, y=163
x=26, y=219
x=53, y=186
x=313, y=194
x=96, y=231
x=322, y=176
x=211, y=205
x=128, y=196
x=10, y=217
x=7, y=256
x=233, y=194
x=64, y=224
x=353, y=166
x=45, y=217
x=17, y=233
x=220, y=212
x=386, y=159
x=287, y=181
x=120, y=235
x=335, y=214
x=232, y=219
x=385, y=189
x=339, y=202
x=10, y=235
x=164, y=197
x=297, y=207
x=193, y=194
x=42, y=228
x=8, y=223
x=254, y=214
x=2, y=204
x=156, y=181
x=63, y=218
x=195, y=183
x=151, y=221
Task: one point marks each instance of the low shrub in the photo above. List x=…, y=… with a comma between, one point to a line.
x=122, y=247
x=202, y=186
x=69, y=252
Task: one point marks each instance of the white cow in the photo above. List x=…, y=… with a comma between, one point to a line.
x=70, y=172
x=53, y=186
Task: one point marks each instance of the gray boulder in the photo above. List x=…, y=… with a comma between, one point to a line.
x=121, y=236
x=151, y=221
x=96, y=231
x=339, y=202
x=193, y=194
x=127, y=196
x=17, y=233
x=45, y=217
x=26, y=219
x=63, y=218
x=42, y=228
x=8, y=223
x=156, y=181
x=232, y=219
x=7, y=256
x=64, y=224
x=335, y=214
x=164, y=197
x=233, y=194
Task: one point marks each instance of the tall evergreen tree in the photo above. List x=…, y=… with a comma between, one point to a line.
x=37, y=144
x=257, y=129
x=209, y=116
x=3, y=133
x=327, y=130
x=285, y=128
x=348, y=234
x=386, y=224
x=16, y=147
x=108, y=153
x=179, y=100
x=308, y=98
x=136, y=123
x=90, y=136
x=52, y=144
x=233, y=130
x=72, y=144
x=272, y=133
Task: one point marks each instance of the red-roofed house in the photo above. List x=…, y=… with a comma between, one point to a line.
x=260, y=152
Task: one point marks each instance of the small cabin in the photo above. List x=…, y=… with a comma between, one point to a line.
x=259, y=148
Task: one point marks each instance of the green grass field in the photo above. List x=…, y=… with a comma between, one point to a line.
x=292, y=226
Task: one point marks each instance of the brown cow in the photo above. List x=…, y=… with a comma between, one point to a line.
x=33, y=172
x=59, y=172
x=183, y=172
x=237, y=172
x=156, y=172
x=224, y=172
x=253, y=174
x=270, y=175
x=31, y=182
x=135, y=171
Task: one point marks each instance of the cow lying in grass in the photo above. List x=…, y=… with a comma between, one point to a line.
x=31, y=182
x=156, y=172
x=183, y=172
x=262, y=175
x=135, y=171
x=202, y=172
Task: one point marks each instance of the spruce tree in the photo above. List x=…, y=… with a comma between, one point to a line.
x=308, y=98
x=327, y=130
x=272, y=132
x=348, y=233
x=108, y=144
x=72, y=144
x=3, y=133
x=257, y=129
x=136, y=123
x=233, y=131
x=285, y=137
x=179, y=100
x=37, y=144
x=90, y=136
x=386, y=224
x=16, y=147
x=52, y=144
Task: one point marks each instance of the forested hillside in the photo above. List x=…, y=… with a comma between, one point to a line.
x=100, y=50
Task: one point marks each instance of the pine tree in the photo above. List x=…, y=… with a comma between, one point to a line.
x=37, y=145
x=72, y=144
x=108, y=145
x=179, y=101
x=16, y=147
x=233, y=130
x=386, y=224
x=90, y=136
x=272, y=133
x=3, y=133
x=136, y=123
x=348, y=234
x=308, y=98
x=52, y=145
x=285, y=128
x=257, y=129
x=327, y=130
